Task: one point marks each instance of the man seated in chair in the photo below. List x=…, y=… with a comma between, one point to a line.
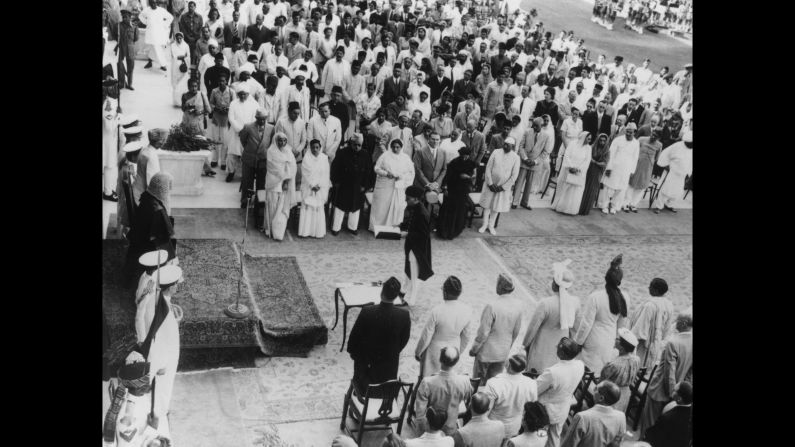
x=434, y=437
x=442, y=390
x=509, y=391
x=480, y=430
x=381, y=331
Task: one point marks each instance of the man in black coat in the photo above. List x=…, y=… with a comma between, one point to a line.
x=632, y=111
x=439, y=83
x=416, y=226
x=596, y=121
x=673, y=428
x=258, y=33
x=462, y=88
x=339, y=109
x=381, y=331
x=351, y=173
x=394, y=86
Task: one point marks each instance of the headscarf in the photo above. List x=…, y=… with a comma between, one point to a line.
x=564, y=278
x=315, y=171
x=603, y=154
x=160, y=188
x=280, y=160
x=618, y=305
x=504, y=285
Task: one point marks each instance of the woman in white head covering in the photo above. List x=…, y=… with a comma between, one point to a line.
x=552, y=320
x=279, y=185
x=421, y=103
x=416, y=87
x=394, y=173
x=315, y=184
x=571, y=180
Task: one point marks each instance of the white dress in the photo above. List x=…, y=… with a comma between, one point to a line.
x=240, y=114
x=622, y=162
x=314, y=172
x=389, y=195
x=501, y=170
x=179, y=80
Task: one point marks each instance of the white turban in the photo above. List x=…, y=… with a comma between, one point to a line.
x=564, y=278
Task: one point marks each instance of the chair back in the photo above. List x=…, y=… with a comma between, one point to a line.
x=637, y=398
x=389, y=392
x=475, y=382
x=533, y=374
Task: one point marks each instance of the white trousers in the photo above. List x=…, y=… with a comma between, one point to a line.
x=614, y=196
x=634, y=196
x=353, y=220
x=410, y=283
x=157, y=54
x=110, y=176
x=663, y=200
x=490, y=218
x=218, y=133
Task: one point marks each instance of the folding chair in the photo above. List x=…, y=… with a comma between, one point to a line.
x=579, y=394
x=637, y=398
x=376, y=414
x=688, y=186
x=654, y=188
x=553, y=175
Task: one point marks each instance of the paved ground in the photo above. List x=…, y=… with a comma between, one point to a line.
x=558, y=15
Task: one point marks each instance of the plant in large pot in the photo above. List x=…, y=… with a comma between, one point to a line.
x=185, y=152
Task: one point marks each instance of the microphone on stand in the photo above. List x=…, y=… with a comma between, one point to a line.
x=237, y=310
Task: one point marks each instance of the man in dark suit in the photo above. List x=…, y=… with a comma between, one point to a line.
x=673, y=428
x=256, y=138
x=258, y=33
x=439, y=83
x=632, y=111
x=345, y=28
x=394, y=86
x=429, y=165
x=462, y=88
x=596, y=121
x=234, y=31
x=381, y=331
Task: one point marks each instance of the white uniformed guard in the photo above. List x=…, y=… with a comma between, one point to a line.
x=129, y=120
x=164, y=350
x=145, y=293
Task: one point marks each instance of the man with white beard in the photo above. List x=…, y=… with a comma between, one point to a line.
x=623, y=160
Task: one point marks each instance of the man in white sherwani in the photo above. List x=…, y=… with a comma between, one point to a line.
x=145, y=294
x=158, y=25
x=448, y=325
x=679, y=159
x=556, y=386
x=623, y=160
x=502, y=171
x=110, y=148
x=327, y=129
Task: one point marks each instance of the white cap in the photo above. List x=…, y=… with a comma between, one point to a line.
x=628, y=336
x=133, y=130
x=169, y=275
x=246, y=66
x=688, y=137
x=129, y=119
x=212, y=43
x=510, y=140
x=133, y=146
x=242, y=87
x=149, y=259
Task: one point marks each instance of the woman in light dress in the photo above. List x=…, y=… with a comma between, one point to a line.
x=394, y=173
x=279, y=185
x=315, y=184
x=600, y=316
x=179, y=81
x=571, y=180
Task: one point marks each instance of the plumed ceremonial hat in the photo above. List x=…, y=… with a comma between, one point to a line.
x=149, y=259
x=169, y=275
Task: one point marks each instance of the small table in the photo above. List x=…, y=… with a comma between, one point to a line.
x=355, y=295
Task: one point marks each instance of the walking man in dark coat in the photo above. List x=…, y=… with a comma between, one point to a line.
x=351, y=173
x=381, y=331
x=416, y=226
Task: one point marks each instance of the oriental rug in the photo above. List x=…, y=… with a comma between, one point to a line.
x=209, y=338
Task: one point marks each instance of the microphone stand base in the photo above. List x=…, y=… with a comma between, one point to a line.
x=238, y=311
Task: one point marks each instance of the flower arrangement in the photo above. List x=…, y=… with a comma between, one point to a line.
x=187, y=139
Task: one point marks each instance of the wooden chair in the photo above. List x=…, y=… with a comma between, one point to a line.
x=654, y=188
x=553, y=175
x=376, y=414
x=688, y=186
x=410, y=418
x=580, y=393
x=637, y=398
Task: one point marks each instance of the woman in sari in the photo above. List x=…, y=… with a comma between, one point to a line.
x=483, y=80
x=180, y=51
x=424, y=42
x=279, y=185
x=571, y=180
x=216, y=26
x=195, y=106
x=458, y=184
x=600, y=152
x=315, y=184
x=394, y=173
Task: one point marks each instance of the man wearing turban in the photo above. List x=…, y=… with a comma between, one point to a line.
x=499, y=326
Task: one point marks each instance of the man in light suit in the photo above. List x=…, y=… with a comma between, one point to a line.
x=474, y=140
x=480, y=431
x=444, y=390
x=510, y=391
x=556, y=386
x=429, y=165
x=499, y=326
x=600, y=426
x=394, y=86
x=521, y=192
x=256, y=138
x=327, y=129
x=676, y=365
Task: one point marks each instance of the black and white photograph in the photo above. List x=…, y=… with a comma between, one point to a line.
x=396, y=223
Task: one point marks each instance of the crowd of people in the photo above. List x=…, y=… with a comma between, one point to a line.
x=525, y=398
x=674, y=14
x=396, y=108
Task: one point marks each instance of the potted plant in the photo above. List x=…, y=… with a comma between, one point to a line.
x=184, y=154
